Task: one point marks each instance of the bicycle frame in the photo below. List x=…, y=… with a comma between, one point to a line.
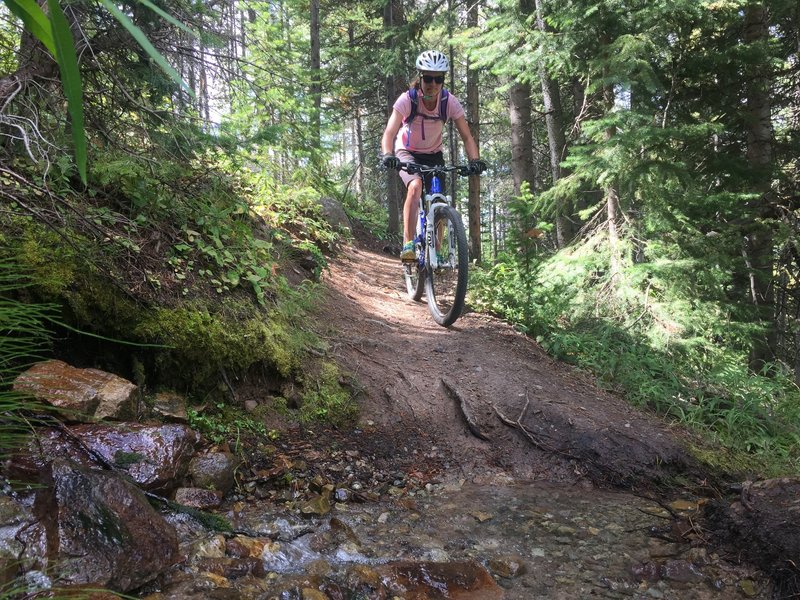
x=432, y=199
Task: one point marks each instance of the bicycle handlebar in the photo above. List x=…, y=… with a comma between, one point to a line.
x=412, y=168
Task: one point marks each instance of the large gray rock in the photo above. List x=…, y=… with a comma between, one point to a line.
x=101, y=530
x=156, y=457
x=79, y=394
x=334, y=214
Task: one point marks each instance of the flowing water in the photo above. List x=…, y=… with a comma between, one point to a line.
x=536, y=541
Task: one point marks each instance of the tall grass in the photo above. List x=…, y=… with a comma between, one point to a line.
x=24, y=339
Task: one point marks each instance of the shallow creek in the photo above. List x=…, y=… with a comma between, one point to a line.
x=468, y=541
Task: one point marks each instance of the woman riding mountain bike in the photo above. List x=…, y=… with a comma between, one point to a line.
x=414, y=134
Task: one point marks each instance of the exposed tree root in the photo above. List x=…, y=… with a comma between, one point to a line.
x=466, y=412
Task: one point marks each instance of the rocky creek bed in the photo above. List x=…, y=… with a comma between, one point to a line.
x=466, y=541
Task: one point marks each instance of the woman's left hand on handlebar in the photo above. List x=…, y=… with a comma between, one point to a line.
x=476, y=166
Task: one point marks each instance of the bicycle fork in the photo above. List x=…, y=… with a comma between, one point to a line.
x=433, y=201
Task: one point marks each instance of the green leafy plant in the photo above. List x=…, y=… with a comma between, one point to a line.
x=224, y=423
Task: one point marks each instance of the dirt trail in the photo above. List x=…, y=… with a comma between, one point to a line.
x=488, y=397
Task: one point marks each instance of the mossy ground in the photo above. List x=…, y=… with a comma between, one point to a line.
x=165, y=328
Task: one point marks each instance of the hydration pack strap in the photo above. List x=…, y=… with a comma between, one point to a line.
x=413, y=95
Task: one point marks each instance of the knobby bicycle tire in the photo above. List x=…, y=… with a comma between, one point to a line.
x=415, y=280
x=447, y=284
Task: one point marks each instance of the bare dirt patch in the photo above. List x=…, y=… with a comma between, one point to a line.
x=487, y=396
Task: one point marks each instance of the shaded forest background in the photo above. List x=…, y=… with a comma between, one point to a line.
x=638, y=217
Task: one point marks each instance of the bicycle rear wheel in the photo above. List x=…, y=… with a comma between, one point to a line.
x=415, y=280
x=447, y=284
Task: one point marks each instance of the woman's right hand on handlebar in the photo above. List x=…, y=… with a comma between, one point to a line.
x=390, y=161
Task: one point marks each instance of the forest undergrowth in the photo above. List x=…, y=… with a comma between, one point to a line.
x=676, y=348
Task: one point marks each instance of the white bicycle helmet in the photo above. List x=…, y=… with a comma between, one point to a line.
x=433, y=60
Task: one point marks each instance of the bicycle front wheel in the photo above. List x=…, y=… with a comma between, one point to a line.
x=447, y=284
x=415, y=280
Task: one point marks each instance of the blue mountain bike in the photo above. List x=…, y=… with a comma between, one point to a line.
x=441, y=268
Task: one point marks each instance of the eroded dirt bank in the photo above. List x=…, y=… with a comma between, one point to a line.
x=488, y=395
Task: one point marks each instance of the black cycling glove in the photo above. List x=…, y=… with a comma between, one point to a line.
x=390, y=161
x=476, y=166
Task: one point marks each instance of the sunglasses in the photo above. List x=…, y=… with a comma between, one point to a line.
x=431, y=78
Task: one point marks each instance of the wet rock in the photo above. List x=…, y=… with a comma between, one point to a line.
x=198, y=498
x=171, y=406
x=431, y=580
x=187, y=527
x=23, y=540
x=365, y=581
x=319, y=568
x=681, y=571
x=507, y=566
x=244, y=547
x=9, y=568
x=213, y=546
x=343, y=530
x=649, y=571
x=205, y=587
x=214, y=470
x=101, y=530
x=660, y=549
x=155, y=457
x=79, y=394
x=232, y=568
x=436, y=555
x=317, y=506
x=13, y=518
x=482, y=516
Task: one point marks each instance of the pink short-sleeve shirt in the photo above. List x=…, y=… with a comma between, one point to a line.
x=424, y=135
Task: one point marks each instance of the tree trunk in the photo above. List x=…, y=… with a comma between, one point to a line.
x=612, y=203
x=557, y=141
x=494, y=231
x=35, y=66
x=473, y=117
x=392, y=19
x=522, y=164
x=359, y=127
x=316, y=85
x=452, y=184
x=760, y=239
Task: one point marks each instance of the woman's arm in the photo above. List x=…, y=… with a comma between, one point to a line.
x=470, y=147
x=390, y=133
